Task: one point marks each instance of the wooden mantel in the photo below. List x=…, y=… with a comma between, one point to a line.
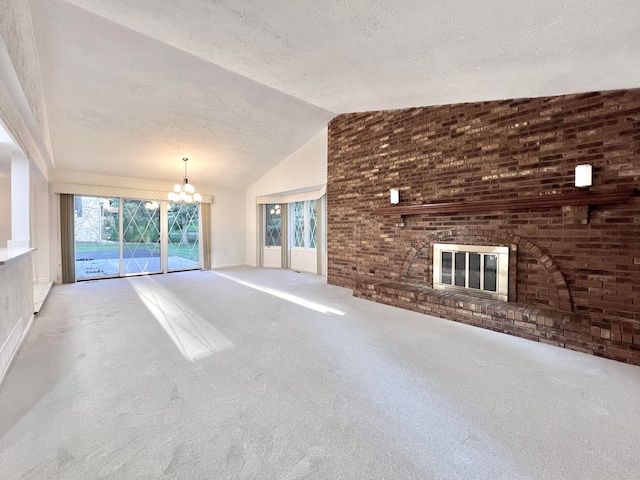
x=521, y=203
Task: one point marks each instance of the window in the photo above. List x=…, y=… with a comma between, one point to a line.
x=479, y=269
x=273, y=225
x=298, y=224
x=304, y=223
x=122, y=236
x=78, y=205
x=313, y=223
x=183, y=235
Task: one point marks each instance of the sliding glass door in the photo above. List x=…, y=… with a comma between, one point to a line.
x=140, y=237
x=97, y=239
x=184, y=236
x=118, y=237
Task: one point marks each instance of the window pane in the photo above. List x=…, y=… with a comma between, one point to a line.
x=490, y=272
x=298, y=224
x=446, y=261
x=474, y=270
x=78, y=200
x=313, y=230
x=97, y=237
x=184, y=240
x=461, y=268
x=273, y=225
x=140, y=236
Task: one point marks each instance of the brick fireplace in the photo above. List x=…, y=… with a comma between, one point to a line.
x=497, y=174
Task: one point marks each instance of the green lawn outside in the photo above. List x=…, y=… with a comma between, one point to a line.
x=175, y=250
x=97, y=247
x=184, y=251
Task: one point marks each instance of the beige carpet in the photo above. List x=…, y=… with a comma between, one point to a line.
x=270, y=374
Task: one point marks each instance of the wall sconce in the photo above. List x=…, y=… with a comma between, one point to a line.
x=584, y=175
x=394, y=196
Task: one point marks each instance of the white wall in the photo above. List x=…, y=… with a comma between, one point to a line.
x=32, y=226
x=40, y=228
x=304, y=259
x=306, y=167
x=5, y=211
x=228, y=228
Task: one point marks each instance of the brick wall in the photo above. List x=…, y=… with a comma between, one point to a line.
x=499, y=150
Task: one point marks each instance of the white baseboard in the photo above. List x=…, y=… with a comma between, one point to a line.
x=228, y=265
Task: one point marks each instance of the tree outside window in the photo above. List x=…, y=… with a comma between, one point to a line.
x=305, y=224
x=273, y=225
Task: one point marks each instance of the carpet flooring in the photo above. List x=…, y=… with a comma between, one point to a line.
x=246, y=373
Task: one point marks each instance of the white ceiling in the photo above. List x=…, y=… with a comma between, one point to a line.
x=237, y=85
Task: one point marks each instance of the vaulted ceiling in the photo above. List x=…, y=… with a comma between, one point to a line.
x=132, y=86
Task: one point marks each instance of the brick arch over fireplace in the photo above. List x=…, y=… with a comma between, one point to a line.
x=495, y=237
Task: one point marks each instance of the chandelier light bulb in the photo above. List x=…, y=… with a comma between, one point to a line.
x=184, y=192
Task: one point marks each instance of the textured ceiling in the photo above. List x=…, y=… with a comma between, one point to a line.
x=133, y=85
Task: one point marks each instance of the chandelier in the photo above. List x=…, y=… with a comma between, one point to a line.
x=185, y=193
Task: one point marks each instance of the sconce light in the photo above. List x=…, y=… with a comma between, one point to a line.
x=394, y=195
x=584, y=175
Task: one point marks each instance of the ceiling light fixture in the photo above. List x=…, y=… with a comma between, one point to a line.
x=185, y=193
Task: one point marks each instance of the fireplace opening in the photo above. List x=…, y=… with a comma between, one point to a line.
x=480, y=270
